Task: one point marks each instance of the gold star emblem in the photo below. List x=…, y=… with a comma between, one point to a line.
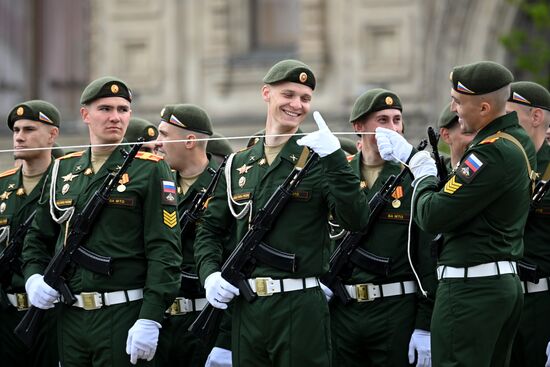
x=88, y=171
x=79, y=167
x=11, y=186
x=293, y=157
x=363, y=184
x=68, y=177
x=5, y=195
x=243, y=169
x=20, y=191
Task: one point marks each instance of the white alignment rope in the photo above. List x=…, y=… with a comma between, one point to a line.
x=70, y=147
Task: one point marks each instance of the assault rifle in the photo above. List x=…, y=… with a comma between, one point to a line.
x=73, y=251
x=442, y=173
x=238, y=267
x=348, y=253
x=9, y=258
x=191, y=215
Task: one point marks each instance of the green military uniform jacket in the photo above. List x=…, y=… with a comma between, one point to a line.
x=188, y=239
x=302, y=227
x=388, y=238
x=138, y=229
x=483, y=207
x=15, y=207
x=537, y=229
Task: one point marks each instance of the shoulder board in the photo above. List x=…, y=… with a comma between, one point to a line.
x=149, y=156
x=489, y=140
x=9, y=172
x=244, y=149
x=350, y=157
x=72, y=155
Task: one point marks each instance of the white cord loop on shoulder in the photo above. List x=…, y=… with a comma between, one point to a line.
x=247, y=206
x=5, y=233
x=67, y=212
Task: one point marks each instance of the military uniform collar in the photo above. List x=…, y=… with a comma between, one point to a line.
x=15, y=180
x=388, y=168
x=111, y=164
x=291, y=150
x=204, y=178
x=498, y=124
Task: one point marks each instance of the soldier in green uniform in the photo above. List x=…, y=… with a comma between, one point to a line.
x=115, y=314
x=386, y=325
x=453, y=136
x=141, y=128
x=35, y=124
x=288, y=325
x=481, y=211
x=194, y=170
x=531, y=102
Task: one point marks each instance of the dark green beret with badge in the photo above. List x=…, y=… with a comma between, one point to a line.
x=189, y=117
x=374, y=100
x=290, y=71
x=104, y=87
x=141, y=128
x=480, y=77
x=35, y=110
x=220, y=146
x=166, y=112
x=447, y=117
x=530, y=94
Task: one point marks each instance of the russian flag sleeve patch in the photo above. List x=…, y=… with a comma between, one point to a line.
x=470, y=167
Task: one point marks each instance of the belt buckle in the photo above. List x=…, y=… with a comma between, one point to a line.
x=89, y=301
x=175, y=308
x=363, y=294
x=261, y=287
x=22, y=301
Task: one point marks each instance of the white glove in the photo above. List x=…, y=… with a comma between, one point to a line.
x=219, y=291
x=392, y=146
x=40, y=294
x=219, y=357
x=322, y=141
x=142, y=340
x=420, y=342
x=327, y=291
x=422, y=164
x=547, y=355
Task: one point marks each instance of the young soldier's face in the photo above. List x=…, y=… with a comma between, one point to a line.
x=107, y=119
x=287, y=103
x=173, y=153
x=468, y=111
x=29, y=134
x=389, y=118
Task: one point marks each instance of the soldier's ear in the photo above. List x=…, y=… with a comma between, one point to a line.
x=266, y=92
x=54, y=133
x=537, y=116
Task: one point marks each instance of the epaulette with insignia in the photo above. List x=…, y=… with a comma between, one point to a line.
x=350, y=157
x=244, y=149
x=9, y=172
x=149, y=156
x=72, y=155
x=489, y=140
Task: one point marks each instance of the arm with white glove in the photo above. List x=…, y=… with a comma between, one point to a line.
x=392, y=146
x=421, y=165
x=547, y=364
x=219, y=357
x=420, y=343
x=219, y=291
x=142, y=340
x=326, y=290
x=323, y=142
x=40, y=294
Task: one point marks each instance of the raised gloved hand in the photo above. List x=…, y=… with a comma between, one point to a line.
x=40, y=294
x=219, y=291
x=392, y=146
x=547, y=364
x=420, y=343
x=326, y=290
x=142, y=340
x=219, y=357
x=422, y=164
x=322, y=141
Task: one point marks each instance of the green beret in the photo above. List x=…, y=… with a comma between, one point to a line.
x=189, y=117
x=141, y=128
x=57, y=151
x=374, y=100
x=107, y=86
x=220, y=146
x=349, y=146
x=35, y=110
x=530, y=94
x=480, y=78
x=447, y=117
x=290, y=71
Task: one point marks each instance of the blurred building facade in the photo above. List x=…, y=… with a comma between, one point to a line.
x=215, y=52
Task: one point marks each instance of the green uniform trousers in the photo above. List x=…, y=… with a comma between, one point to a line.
x=373, y=333
x=178, y=346
x=534, y=331
x=14, y=353
x=289, y=329
x=97, y=338
x=475, y=320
